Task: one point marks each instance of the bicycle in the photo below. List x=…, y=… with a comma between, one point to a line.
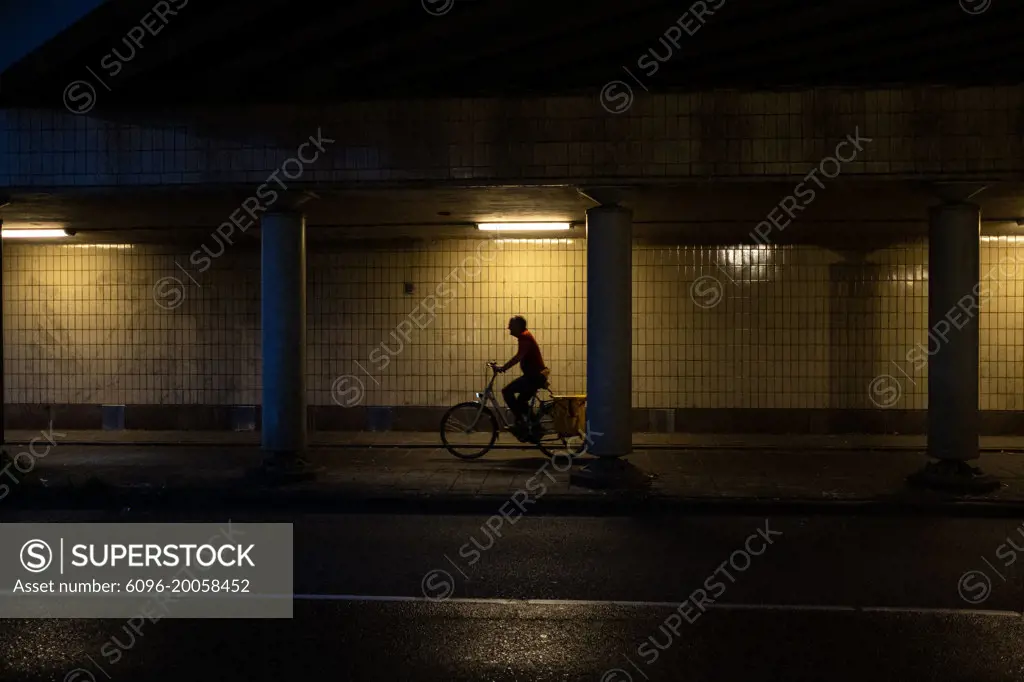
x=476, y=424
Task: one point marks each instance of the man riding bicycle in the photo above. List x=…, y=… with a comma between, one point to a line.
x=535, y=376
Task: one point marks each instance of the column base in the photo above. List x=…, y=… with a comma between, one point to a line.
x=285, y=467
x=953, y=476
x=611, y=473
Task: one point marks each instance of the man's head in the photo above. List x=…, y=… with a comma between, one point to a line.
x=517, y=325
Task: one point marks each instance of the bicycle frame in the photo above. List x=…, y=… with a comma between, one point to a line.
x=538, y=432
x=488, y=398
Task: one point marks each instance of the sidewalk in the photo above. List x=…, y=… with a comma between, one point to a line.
x=654, y=441
x=423, y=477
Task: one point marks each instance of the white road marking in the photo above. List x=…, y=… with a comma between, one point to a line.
x=659, y=604
x=827, y=608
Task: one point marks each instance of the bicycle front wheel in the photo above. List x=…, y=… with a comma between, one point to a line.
x=468, y=430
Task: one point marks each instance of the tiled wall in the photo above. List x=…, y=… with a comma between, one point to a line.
x=1002, y=326
x=728, y=327
x=361, y=317
x=124, y=325
x=913, y=132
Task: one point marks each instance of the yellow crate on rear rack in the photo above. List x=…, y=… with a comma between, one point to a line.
x=570, y=414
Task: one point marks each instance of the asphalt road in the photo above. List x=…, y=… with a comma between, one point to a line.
x=445, y=598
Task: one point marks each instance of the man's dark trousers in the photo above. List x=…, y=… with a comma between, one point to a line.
x=519, y=391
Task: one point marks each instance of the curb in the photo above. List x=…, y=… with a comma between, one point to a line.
x=519, y=446
x=272, y=499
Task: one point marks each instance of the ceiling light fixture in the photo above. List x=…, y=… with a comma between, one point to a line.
x=528, y=240
x=524, y=227
x=19, y=230
x=33, y=234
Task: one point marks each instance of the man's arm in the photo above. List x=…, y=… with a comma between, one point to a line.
x=515, y=360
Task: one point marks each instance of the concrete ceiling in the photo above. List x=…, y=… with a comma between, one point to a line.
x=699, y=213
x=274, y=51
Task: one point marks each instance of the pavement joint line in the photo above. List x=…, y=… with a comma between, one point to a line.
x=660, y=604
x=976, y=612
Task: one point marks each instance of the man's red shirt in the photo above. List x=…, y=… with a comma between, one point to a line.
x=530, y=358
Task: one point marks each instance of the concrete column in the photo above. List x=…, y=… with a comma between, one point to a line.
x=3, y=430
x=283, y=320
x=610, y=330
x=953, y=275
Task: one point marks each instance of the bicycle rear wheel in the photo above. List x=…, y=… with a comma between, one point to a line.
x=468, y=430
x=554, y=444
